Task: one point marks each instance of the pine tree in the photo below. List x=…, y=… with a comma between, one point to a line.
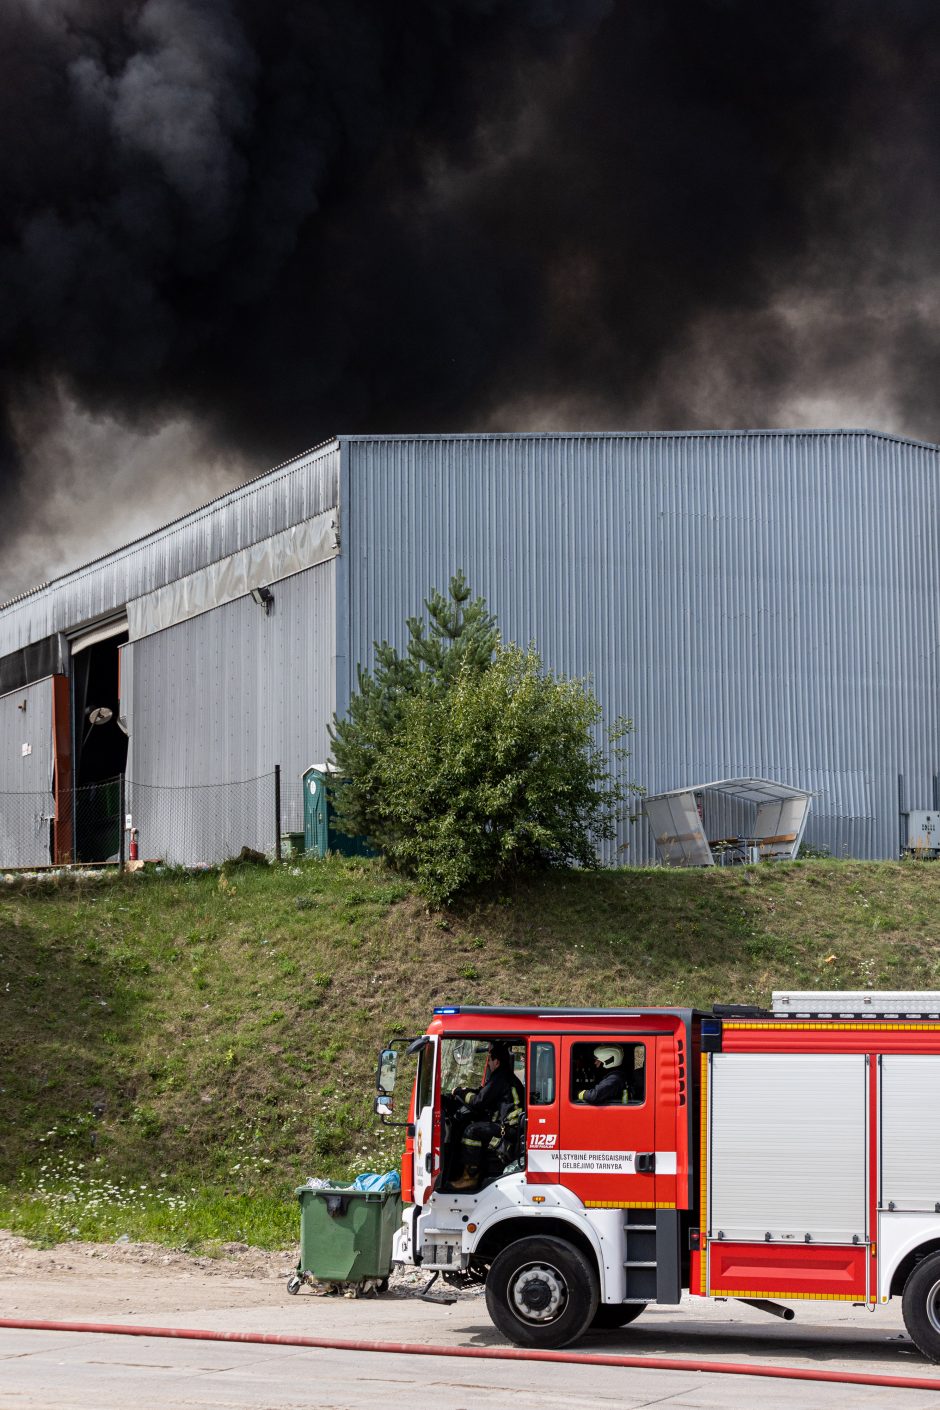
x=460, y=634
x=465, y=761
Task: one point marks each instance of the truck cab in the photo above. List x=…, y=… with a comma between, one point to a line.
x=602, y=1184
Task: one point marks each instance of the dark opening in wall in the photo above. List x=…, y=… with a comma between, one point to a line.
x=100, y=751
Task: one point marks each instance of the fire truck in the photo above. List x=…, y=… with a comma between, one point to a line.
x=768, y=1155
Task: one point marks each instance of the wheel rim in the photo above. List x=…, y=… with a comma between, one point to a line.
x=538, y=1293
x=933, y=1307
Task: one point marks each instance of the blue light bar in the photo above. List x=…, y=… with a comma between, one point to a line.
x=447, y=1010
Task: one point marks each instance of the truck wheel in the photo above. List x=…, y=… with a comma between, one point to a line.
x=542, y=1292
x=921, y=1306
x=616, y=1314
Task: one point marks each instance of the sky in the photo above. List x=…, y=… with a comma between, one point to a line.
x=231, y=229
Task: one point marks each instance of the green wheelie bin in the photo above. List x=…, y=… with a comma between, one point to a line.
x=345, y=1234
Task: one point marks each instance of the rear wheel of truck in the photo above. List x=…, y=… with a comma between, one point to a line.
x=921, y=1306
x=616, y=1314
x=542, y=1292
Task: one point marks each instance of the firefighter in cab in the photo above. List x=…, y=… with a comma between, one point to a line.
x=612, y=1079
x=495, y=1109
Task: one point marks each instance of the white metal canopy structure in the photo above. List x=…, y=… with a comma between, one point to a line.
x=773, y=817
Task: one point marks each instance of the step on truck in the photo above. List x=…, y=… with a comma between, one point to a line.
x=769, y=1155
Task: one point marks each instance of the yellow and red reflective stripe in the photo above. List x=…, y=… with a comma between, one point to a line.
x=628, y=1204
x=791, y=1296
x=703, y=1187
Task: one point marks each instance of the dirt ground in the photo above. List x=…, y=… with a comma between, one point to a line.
x=90, y=1281
x=84, y=1280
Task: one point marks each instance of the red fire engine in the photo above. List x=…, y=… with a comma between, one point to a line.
x=765, y=1155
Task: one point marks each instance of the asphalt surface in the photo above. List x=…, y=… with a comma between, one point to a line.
x=99, y=1372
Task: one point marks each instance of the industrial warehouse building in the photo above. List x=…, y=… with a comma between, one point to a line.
x=759, y=603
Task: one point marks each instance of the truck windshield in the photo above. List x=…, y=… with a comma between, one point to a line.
x=463, y=1061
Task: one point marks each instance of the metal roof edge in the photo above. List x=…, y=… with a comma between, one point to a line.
x=736, y=785
x=741, y=432
x=153, y=534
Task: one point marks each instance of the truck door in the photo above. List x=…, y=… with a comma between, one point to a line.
x=427, y=1122
x=542, y=1106
x=607, y=1150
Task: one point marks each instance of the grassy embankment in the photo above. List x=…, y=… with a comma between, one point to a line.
x=177, y=1052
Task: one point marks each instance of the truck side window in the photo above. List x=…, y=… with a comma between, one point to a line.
x=616, y=1078
x=541, y=1074
x=425, y=1078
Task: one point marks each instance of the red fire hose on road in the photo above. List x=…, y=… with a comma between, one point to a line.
x=484, y=1353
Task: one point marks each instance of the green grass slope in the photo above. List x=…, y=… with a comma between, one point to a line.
x=178, y=1051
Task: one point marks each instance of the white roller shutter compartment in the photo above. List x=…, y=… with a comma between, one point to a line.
x=787, y=1144
x=910, y=1132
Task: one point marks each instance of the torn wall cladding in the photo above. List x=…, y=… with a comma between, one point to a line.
x=754, y=601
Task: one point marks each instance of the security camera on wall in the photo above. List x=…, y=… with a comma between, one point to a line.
x=264, y=598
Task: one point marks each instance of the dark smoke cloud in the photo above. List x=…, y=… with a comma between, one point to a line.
x=230, y=228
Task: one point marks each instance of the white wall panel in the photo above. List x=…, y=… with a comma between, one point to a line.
x=26, y=764
x=219, y=700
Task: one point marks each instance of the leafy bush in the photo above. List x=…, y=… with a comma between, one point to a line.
x=465, y=761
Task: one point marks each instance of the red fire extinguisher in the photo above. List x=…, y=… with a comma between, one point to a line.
x=133, y=847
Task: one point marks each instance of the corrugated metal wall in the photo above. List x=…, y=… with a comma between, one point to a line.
x=758, y=603
x=295, y=491
x=26, y=802
x=219, y=700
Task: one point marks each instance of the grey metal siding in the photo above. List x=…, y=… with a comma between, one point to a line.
x=219, y=700
x=285, y=496
x=759, y=603
x=26, y=802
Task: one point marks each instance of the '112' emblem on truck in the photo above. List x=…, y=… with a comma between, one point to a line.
x=541, y=1143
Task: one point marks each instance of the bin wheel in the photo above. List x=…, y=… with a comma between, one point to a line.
x=294, y=1283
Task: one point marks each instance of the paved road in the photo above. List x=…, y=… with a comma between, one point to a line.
x=74, y=1372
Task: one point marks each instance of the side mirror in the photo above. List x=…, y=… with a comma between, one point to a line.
x=387, y=1073
x=384, y=1106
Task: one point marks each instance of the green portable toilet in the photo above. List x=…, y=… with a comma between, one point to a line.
x=320, y=832
x=316, y=816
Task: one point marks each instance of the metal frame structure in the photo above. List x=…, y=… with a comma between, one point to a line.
x=775, y=820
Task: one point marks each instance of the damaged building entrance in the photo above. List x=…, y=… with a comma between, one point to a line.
x=99, y=743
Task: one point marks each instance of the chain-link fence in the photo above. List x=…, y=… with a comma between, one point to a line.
x=293, y=837
x=189, y=826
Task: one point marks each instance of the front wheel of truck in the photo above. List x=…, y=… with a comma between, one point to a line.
x=542, y=1292
x=921, y=1306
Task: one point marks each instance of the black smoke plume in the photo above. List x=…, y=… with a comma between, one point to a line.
x=276, y=221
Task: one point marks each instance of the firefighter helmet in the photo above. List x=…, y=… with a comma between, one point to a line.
x=609, y=1056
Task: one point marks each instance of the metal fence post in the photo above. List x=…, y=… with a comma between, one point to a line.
x=277, y=811
x=121, y=821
